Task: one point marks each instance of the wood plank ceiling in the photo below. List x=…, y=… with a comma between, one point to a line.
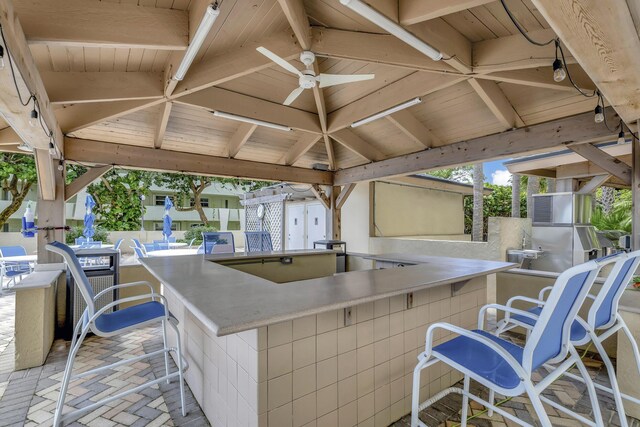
x=109, y=84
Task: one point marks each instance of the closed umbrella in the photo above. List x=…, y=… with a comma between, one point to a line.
x=89, y=217
x=166, y=226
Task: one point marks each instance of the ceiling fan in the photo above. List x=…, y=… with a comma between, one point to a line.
x=307, y=79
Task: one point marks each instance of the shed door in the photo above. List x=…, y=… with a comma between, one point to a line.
x=295, y=226
x=316, y=224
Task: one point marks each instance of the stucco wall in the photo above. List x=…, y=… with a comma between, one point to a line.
x=402, y=210
x=355, y=219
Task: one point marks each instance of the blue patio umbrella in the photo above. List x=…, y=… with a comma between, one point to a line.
x=166, y=226
x=89, y=217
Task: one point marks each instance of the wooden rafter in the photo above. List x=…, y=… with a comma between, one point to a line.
x=566, y=131
x=416, y=84
x=239, y=138
x=161, y=125
x=83, y=180
x=413, y=128
x=102, y=24
x=300, y=148
x=612, y=165
x=542, y=78
x=79, y=87
x=297, y=17
x=497, y=102
x=344, y=195
x=447, y=40
x=515, y=52
x=414, y=11
x=604, y=39
x=98, y=152
x=8, y=136
x=328, y=146
x=236, y=63
x=79, y=116
x=320, y=195
x=29, y=82
x=216, y=99
x=353, y=142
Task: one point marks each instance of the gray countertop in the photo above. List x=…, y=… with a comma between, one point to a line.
x=230, y=301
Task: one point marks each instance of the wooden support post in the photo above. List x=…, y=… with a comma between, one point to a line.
x=635, y=192
x=51, y=213
x=336, y=221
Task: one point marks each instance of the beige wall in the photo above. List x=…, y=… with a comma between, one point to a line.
x=402, y=210
x=355, y=219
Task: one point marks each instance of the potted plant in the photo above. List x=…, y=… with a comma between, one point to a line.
x=636, y=282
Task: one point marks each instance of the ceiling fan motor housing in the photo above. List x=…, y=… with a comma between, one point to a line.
x=307, y=80
x=307, y=58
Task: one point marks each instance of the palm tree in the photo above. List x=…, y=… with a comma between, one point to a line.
x=533, y=187
x=477, y=230
x=515, y=196
x=607, y=199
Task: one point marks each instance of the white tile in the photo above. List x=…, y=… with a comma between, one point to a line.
x=328, y=420
x=280, y=390
x=347, y=339
x=347, y=390
x=304, y=352
x=366, y=407
x=280, y=360
x=327, y=399
x=304, y=410
x=304, y=381
x=282, y=416
x=382, y=398
x=381, y=374
x=348, y=415
x=396, y=323
x=421, y=297
x=397, y=303
x=366, y=382
x=327, y=372
x=410, y=319
x=347, y=365
x=364, y=357
x=327, y=345
x=279, y=333
x=304, y=327
x=327, y=321
x=381, y=307
x=364, y=333
x=364, y=312
x=380, y=328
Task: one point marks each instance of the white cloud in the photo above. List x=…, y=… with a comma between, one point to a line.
x=501, y=177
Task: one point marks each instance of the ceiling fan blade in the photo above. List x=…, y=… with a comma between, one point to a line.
x=327, y=80
x=9, y=143
x=293, y=95
x=278, y=60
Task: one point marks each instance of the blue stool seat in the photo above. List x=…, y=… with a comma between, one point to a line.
x=491, y=366
x=578, y=332
x=130, y=316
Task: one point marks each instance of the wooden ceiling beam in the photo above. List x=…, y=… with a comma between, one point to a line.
x=377, y=48
x=604, y=39
x=447, y=40
x=161, y=125
x=497, y=102
x=331, y=156
x=413, y=128
x=8, y=136
x=612, y=165
x=566, y=131
x=79, y=116
x=415, y=11
x=239, y=138
x=321, y=196
x=29, y=82
x=344, y=195
x=353, y=142
x=237, y=63
x=515, y=52
x=300, y=148
x=542, y=77
x=98, y=152
x=416, y=84
x=297, y=17
x=80, y=87
x=102, y=24
x=585, y=169
x=84, y=180
x=216, y=99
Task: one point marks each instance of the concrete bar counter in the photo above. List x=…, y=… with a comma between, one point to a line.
x=279, y=339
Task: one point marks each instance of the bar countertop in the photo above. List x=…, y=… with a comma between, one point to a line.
x=230, y=301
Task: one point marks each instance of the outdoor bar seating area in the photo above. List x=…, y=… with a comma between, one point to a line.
x=361, y=265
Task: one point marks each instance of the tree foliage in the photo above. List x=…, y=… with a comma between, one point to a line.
x=17, y=176
x=463, y=174
x=117, y=195
x=496, y=204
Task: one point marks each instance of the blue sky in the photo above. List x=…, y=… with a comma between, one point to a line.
x=496, y=172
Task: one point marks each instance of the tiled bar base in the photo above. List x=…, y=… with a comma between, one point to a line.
x=320, y=370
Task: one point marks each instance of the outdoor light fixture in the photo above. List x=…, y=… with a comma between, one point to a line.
x=52, y=148
x=33, y=118
x=250, y=120
x=60, y=165
x=385, y=113
x=621, y=139
x=201, y=33
x=559, y=73
x=391, y=27
x=25, y=147
x=598, y=115
x=1, y=58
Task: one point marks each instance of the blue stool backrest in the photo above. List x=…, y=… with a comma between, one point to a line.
x=604, y=309
x=81, y=240
x=218, y=242
x=118, y=243
x=139, y=252
x=149, y=247
x=82, y=282
x=137, y=243
x=158, y=246
x=258, y=241
x=549, y=339
x=12, y=251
